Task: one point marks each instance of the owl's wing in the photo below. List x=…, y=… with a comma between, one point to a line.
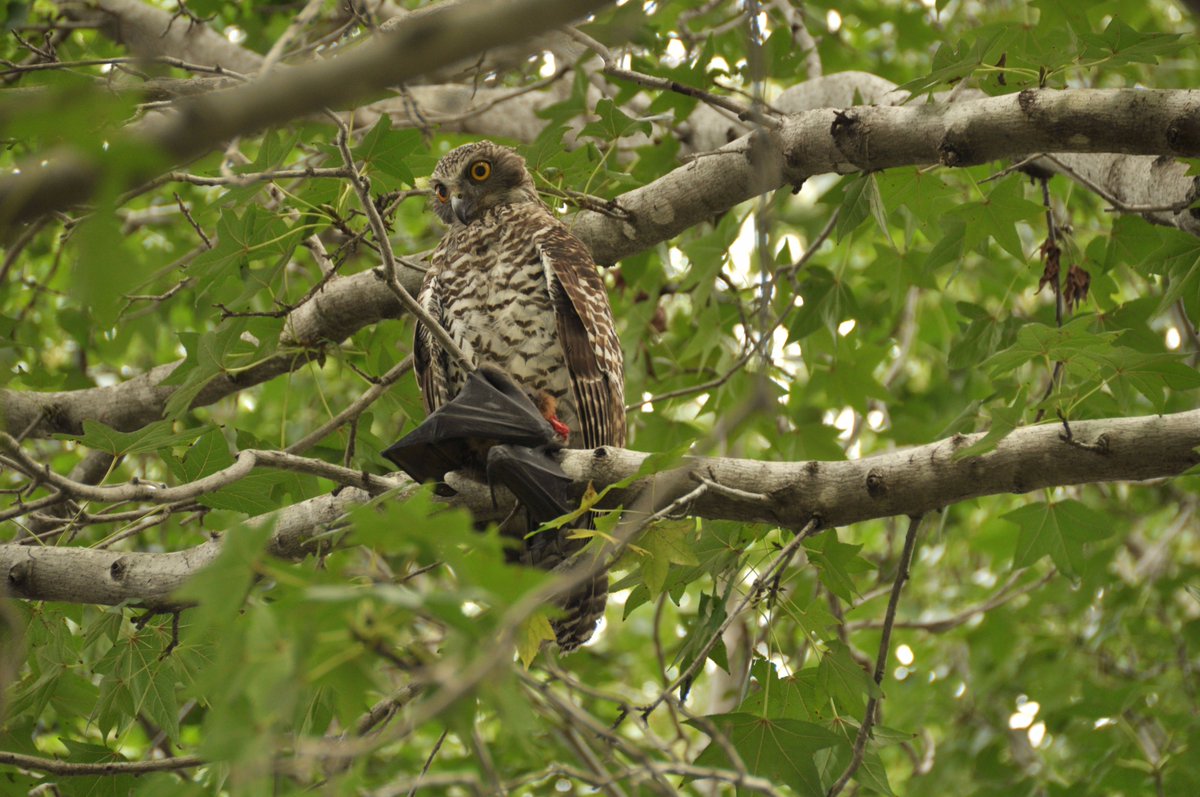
x=588, y=336
x=429, y=361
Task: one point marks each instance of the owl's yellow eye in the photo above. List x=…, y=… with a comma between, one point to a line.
x=480, y=171
x=441, y=192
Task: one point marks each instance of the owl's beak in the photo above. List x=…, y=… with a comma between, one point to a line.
x=461, y=208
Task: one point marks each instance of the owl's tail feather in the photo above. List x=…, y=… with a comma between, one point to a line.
x=583, y=609
x=556, y=550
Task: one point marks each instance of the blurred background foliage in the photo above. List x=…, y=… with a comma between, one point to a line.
x=1046, y=643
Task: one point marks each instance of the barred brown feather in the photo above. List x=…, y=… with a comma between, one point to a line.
x=515, y=289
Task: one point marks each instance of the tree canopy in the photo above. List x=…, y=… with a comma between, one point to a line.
x=908, y=295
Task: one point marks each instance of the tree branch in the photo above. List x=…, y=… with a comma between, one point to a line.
x=415, y=46
x=68, y=768
x=147, y=492
x=864, y=730
x=909, y=482
x=149, y=32
x=867, y=138
x=343, y=306
x=810, y=142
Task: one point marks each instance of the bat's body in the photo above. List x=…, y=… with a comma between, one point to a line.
x=494, y=427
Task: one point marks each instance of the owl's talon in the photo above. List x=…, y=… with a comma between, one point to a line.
x=548, y=406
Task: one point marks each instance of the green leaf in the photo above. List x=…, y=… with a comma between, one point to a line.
x=531, y=634
x=856, y=205
x=207, y=455
x=1003, y=421
x=204, y=363
x=952, y=244
x=812, y=615
x=777, y=749
x=1060, y=530
x=828, y=302
x=1178, y=262
x=996, y=217
x=837, y=562
x=981, y=338
x=613, y=123
x=709, y=617
x=873, y=774
x=153, y=437
x=843, y=679
x=220, y=588
x=927, y=194
x=1121, y=44
x=384, y=153
x=1151, y=375
x=1048, y=344
x=117, y=785
x=666, y=544
x=106, y=268
x=253, y=494
x=138, y=679
x=717, y=550
x=227, y=273
x=951, y=63
x=795, y=697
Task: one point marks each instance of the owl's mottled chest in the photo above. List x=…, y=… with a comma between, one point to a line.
x=496, y=301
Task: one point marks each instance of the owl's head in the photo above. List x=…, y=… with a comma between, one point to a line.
x=474, y=178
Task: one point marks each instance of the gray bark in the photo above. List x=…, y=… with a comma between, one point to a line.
x=910, y=482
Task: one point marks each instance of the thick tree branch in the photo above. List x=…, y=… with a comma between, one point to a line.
x=866, y=138
x=196, y=124
x=790, y=494
x=150, y=32
x=811, y=142
x=90, y=575
x=339, y=309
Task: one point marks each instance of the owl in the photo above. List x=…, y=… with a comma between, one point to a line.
x=515, y=290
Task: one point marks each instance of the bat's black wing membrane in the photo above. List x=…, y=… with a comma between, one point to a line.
x=490, y=408
x=535, y=478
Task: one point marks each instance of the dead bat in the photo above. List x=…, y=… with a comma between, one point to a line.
x=493, y=425
x=534, y=477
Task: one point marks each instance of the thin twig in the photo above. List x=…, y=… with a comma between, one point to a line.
x=747, y=355
x=161, y=59
x=760, y=584
x=428, y=762
x=476, y=110
x=187, y=214
x=354, y=409
x=246, y=461
x=54, y=766
x=1052, y=253
x=663, y=84
x=864, y=730
x=1007, y=592
x=459, y=678
x=17, y=246
x=363, y=188
x=1112, y=199
x=577, y=717
x=306, y=15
